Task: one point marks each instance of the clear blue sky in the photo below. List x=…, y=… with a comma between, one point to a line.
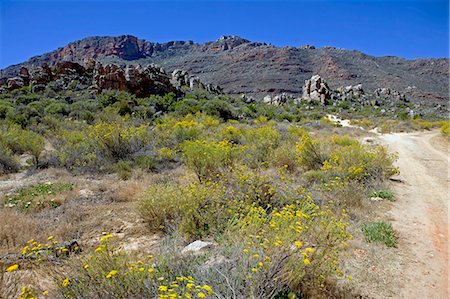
x=410, y=29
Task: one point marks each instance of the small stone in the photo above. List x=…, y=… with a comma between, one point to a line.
x=197, y=246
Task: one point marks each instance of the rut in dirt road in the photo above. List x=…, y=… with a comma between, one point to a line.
x=420, y=214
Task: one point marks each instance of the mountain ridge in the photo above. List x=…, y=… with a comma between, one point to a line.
x=257, y=69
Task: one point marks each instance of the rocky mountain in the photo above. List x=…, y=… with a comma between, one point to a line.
x=259, y=69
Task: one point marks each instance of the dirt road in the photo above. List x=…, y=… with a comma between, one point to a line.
x=420, y=214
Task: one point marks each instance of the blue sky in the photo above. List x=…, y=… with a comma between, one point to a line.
x=410, y=29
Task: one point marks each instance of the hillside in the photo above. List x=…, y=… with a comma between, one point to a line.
x=257, y=69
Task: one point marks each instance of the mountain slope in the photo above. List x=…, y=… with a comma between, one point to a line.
x=242, y=66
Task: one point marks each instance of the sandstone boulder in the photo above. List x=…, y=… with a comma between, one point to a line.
x=316, y=89
x=15, y=83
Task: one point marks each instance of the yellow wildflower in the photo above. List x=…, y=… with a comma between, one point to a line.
x=162, y=288
x=86, y=266
x=298, y=244
x=201, y=295
x=65, y=282
x=45, y=293
x=12, y=268
x=111, y=273
x=306, y=261
x=207, y=288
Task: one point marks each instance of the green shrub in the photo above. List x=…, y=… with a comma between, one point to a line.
x=123, y=169
x=311, y=154
x=285, y=156
x=218, y=108
x=77, y=152
x=445, y=129
x=208, y=158
x=145, y=162
x=7, y=162
x=120, y=139
x=381, y=233
x=385, y=194
x=21, y=141
x=161, y=204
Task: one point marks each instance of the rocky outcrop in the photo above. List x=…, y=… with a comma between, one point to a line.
x=140, y=81
x=278, y=100
x=316, y=89
x=181, y=79
x=42, y=75
x=387, y=93
x=110, y=76
x=14, y=83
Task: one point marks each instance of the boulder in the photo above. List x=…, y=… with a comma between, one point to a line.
x=15, y=83
x=316, y=89
x=110, y=76
x=42, y=75
x=197, y=247
x=25, y=75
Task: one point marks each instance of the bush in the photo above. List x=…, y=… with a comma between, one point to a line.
x=445, y=129
x=385, y=194
x=161, y=204
x=123, y=170
x=7, y=162
x=208, y=158
x=361, y=163
x=259, y=143
x=298, y=245
x=20, y=141
x=110, y=273
x=76, y=151
x=145, y=162
x=284, y=156
x=311, y=154
x=218, y=108
x=381, y=233
x=119, y=140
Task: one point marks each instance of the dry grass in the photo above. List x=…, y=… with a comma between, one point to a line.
x=17, y=228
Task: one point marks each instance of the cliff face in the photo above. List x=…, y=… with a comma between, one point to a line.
x=258, y=69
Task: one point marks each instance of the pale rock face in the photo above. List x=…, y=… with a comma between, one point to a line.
x=197, y=247
x=316, y=89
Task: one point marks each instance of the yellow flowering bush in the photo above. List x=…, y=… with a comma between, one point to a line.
x=311, y=153
x=208, y=158
x=109, y=272
x=19, y=141
x=298, y=245
x=358, y=162
x=259, y=142
x=119, y=139
x=161, y=204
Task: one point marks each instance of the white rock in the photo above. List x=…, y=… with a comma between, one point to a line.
x=197, y=246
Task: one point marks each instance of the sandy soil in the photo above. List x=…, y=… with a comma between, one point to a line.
x=420, y=214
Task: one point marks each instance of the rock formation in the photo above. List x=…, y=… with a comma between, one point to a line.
x=140, y=81
x=316, y=89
